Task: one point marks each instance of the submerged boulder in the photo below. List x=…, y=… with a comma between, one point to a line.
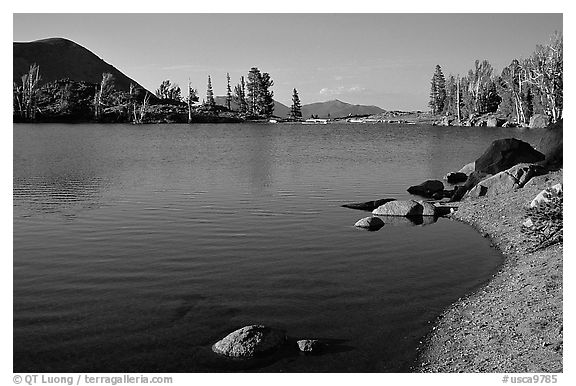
x=249, y=341
x=502, y=154
x=371, y=223
x=427, y=188
x=368, y=205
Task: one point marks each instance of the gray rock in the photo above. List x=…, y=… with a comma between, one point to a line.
x=546, y=195
x=539, y=121
x=427, y=188
x=468, y=168
x=528, y=223
x=524, y=172
x=249, y=341
x=308, y=345
x=372, y=223
x=499, y=183
x=399, y=208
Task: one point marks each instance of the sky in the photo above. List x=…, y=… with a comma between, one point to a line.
x=375, y=59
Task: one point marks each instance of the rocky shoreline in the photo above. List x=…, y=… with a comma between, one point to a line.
x=514, y=322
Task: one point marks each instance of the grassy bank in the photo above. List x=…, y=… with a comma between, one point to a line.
x=514, y=322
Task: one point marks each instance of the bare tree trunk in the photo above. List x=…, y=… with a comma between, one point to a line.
x=458, y=98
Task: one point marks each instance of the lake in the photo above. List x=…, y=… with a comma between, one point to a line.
x=138, y=247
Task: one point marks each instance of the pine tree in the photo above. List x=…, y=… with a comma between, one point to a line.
x=267, y=95
x=296, y=109
x=253, y=96
x=240, y=96
x=210, y=95
x=228, y=92
x=437, y=91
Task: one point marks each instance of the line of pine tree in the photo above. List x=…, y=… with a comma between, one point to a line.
x=523, y=88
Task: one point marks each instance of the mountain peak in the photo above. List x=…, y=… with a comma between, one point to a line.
x=60, y=58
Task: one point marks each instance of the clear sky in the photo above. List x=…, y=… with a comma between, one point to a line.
x=381, y=59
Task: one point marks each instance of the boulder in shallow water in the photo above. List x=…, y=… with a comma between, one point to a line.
x=371, y=223
x=502, y=154
x=427, y=188
x=368, y=205
x=404, y=209
x=249, y=341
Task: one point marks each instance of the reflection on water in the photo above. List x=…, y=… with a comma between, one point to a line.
x=138, y=247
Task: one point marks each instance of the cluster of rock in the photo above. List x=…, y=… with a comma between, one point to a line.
x=537, y=121
x=256, y=340
x=508, y=164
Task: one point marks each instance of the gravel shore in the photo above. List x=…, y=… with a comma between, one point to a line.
x=513, y=324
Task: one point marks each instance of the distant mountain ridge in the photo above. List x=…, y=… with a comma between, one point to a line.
x=60, y=58
x=333, y=109
x=338, y=109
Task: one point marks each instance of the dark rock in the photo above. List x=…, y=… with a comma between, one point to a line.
x=502, y=154
x=371, y=223
x=444, y=210
x=456, y=177
x=369, y=205
x=539, y=121
x=427, y=188
x=473, y=179
x=309, y=345
x=438, y=195
x=249, y=341
x=551, y=145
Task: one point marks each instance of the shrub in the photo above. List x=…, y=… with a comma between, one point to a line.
x=548, y=223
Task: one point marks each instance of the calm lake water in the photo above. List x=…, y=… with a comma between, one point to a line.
x=138, y=247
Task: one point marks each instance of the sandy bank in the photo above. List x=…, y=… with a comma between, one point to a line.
x=513, y=323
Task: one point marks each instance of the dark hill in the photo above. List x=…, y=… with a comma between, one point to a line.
x=60, y=58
